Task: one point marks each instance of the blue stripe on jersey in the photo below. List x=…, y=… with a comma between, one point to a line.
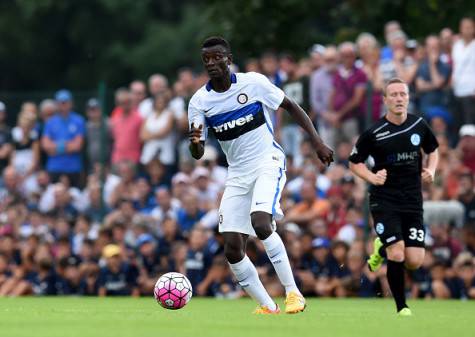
x=276, y=192
x=275, y=144
x=222, y=118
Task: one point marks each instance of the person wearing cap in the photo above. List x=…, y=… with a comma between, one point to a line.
x=63, y=140
x=432, y=77
x=5, y=138
x=323, y=267
x=117, y=277
x=97, y=143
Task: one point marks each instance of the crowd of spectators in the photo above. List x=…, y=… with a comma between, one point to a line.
x=103, y=202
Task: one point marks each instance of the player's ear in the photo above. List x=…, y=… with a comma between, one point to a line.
x=230, y=59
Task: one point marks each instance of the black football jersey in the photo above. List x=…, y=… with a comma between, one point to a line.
x=398, y=149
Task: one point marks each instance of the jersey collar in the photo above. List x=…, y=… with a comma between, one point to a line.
x=209, y=87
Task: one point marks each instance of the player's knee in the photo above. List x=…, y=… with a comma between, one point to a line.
x=395, y=254
x=413, y=263
x=233, y=253
x=261, y=222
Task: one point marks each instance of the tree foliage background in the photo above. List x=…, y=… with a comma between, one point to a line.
x=48, y=44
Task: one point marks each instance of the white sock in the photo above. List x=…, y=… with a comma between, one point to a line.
x=246, y=275
x=277, y=254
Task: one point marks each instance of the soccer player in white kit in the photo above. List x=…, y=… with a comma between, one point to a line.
x=237, y=109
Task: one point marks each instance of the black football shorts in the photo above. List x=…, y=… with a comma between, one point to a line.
x=393, y=226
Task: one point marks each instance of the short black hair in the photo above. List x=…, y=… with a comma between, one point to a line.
x=216, y=41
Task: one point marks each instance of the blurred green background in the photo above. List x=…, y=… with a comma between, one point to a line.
x=48, y=44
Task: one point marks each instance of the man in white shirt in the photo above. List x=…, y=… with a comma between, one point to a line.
x=463, y=75
x=237, y=108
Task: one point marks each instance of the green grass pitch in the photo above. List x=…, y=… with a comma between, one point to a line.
x=121, y=317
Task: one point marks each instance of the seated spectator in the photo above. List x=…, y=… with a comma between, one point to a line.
x=323, y=267
x=166, y=207
x=466, y=145
x=63, y=140
x=189, y=213
x=198, y=258
x=117, y=277
x=309, y=209
x=207, y=190
x=149, y=263
x=462, y=285
x=124, y=187
x=219, y=282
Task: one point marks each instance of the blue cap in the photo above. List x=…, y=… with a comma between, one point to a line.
x=438, y=111
x=63, y=95
x=321, y=243
x=144, y=238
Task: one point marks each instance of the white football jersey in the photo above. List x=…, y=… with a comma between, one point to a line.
x=240, y=120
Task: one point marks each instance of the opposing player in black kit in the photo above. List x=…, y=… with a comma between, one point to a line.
x=397, y=143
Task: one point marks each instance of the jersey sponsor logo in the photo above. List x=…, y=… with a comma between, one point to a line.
x=415, y=139
x=382, y=134
x=402, y=156
x=230, y=125
x=234, y=123
x=242, y=98
x=379, y=228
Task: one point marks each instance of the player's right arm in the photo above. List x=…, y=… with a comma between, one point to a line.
x=197, y=131
x=197, y=146
x=357, y=159
x=362, y=171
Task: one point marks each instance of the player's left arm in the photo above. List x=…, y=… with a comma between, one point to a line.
x=428, y=172
x=325, y=154
x=430, y=147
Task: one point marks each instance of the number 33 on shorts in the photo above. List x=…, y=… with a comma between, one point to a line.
x=416, y=234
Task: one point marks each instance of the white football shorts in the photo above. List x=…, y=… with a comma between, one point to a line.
x=243, y=195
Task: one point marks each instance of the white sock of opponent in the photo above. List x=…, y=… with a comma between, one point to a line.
x=246, y=275
x=277, y=254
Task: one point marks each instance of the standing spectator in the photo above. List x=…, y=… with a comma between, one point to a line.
x=48, y=108
x=63, y=139
x=25, y=137
x=138, y=91
x=270, y=68
x=157, y=133
x=321, y=88
x=156, y=83
x=5, y=138
x=297, y=88
x=125, y=125
x=368, y=50
x=96, y=142
x=316, y=56
x=431, y=78
x=446, y=38
x=389, y=28
x=348, y=93
x=463, y=76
